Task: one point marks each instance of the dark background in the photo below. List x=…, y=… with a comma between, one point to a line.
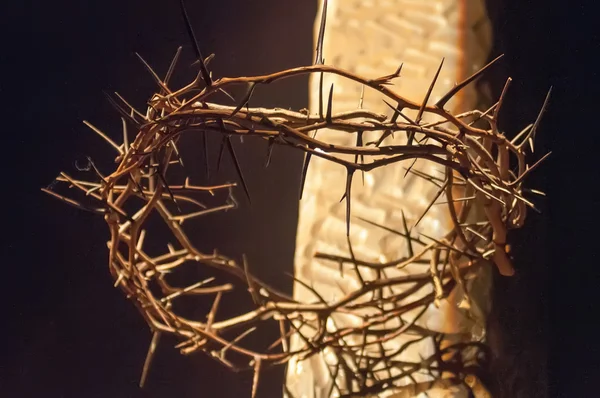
x=68, y=333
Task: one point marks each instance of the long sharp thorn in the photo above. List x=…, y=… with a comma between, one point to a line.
x=172, y=66
x=347, y=194
x=410, y=167
x=530, y=169
x=238, y=168
x=321, y=95
x=221, y=150
x=251, y=287
x=244, y=100
x=501, y=100
x=442, y=101
x=269, y=151
x=227, y=94
x=329, y=105
x=304, y=172
x=531, y=135
x=319, y=57
x=429, y=90
x=398, y=112
x=122, y=111
x=149, y=357
x=163, y=180
x=407, y=231
x=256, y=378
x=437, y=195
x=188, y=26
x=153, y=74
x=177, y=154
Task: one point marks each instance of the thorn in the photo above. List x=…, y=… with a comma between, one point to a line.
x=221, y=150
x=163, y=180
x=251, y=288
x=429, y=90
x=442, y=101
x=407, y=232
x=149, y=357
x=329, y=105
x=256, y=378
x=437, y=195
x=304, y=172
x=359, y=143
x=532, y=132
x=122, y=111
x=245, y=100
x=153, y=74
x=501, y=100
x=238, y=168
x=321, y=95
x=349, y=175
x=106, y=138
x=172, y=65
x=270, y=146
x=319, y=58
x=188, y=26
x=408, y=170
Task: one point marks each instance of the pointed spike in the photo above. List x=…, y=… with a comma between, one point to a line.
x=398, y=112
x=122, y=111
x=347, y=194
x=308, y=287
x=269, y=151
x=329, y=105
x=397, y=73
x=251, y=287
x=321, y=38
x=104, y=136
x=304, y=172
x=521, y=133
x=442, y=101
x=437, y=195
x=163, y=180
x=154, y=75
x=321, y=95
x=203, y=70
x=256, y=378
x=149, y=356
x=227, y=94
x=238, y=168
x=245, y=100
x=221, y=150
x=530, y=169
x=407, y=232
x=429, y=90
x=132, y=109
x=501, y=100
x=359, y=143
x=353, y=257
x=172, y=66
x=532, y=132
x=410, y=167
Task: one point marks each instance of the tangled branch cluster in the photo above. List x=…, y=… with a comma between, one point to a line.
x=482, y=168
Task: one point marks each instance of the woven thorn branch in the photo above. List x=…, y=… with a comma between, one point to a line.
x=482, y=168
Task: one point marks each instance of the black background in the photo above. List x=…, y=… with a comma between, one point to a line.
x=68, y=333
